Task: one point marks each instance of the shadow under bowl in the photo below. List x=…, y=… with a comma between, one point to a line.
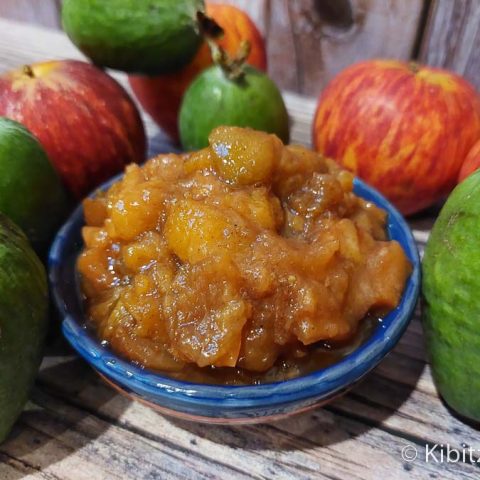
x=219, y=403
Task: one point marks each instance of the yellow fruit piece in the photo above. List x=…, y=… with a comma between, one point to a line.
x=243, y=156
x=258, y=206
x=137, y=211
x=198, y=160
x=141, y=253
x=195, y=231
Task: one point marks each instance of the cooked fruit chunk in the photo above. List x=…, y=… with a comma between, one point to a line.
x=244, y=157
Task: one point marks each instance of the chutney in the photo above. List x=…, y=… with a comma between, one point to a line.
x=237, y=263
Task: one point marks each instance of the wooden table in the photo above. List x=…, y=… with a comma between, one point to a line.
x=78, y=428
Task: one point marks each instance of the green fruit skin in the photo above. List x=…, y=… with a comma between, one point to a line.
x=451, y=306
x=136, y=36
x=31, y=192
x=212, y=99
x=23, y=321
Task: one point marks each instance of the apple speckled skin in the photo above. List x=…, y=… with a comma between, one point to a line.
x=403, y=128
x=84, y=119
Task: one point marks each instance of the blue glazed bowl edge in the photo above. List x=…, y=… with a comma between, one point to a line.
x=164, y=390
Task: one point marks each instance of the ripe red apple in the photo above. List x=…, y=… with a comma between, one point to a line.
x=87, y=123
x=471, y=162
x=402, y=127
x=161, y=96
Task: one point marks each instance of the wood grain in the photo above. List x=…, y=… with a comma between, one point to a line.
x=28, y=49
x=452, y=37
x=77, y=420
x=308, y=43
x=78, y=428
x=39, y=12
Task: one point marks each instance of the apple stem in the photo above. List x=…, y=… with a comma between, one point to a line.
x=28, y=71
x=414, y=67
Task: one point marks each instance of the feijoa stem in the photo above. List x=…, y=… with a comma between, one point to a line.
x=233, y=67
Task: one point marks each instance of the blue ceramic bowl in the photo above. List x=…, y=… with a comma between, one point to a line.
x=227, y=404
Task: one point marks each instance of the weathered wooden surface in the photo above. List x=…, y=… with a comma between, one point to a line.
x=77, y=428
x=40, y=12
x=452, y=37
x=308, y=41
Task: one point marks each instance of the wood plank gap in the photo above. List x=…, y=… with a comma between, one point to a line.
x=421, y=442
x=371, y=403
x=60, y=420
x=404, y=384
x=298, y=67
x=28, y=466
x=422, y=28
x=302, y=441
x=306, y=442
x=154, y=445
x=46, y=389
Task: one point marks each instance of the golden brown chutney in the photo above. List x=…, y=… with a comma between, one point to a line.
x=244, y=262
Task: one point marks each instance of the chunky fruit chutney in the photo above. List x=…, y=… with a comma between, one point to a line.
x=244, y=262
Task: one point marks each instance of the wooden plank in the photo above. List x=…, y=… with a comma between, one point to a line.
x=310, y=41
x=399, y=396
x=99, y=431
x=386, y=398
x=40, y=12
x=452, y=37
x=15, y=469
x=19, y=45
x=22, y=44
x=67, y=443
x=78, y=428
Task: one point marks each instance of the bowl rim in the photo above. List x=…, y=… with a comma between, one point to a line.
x=319, y=383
